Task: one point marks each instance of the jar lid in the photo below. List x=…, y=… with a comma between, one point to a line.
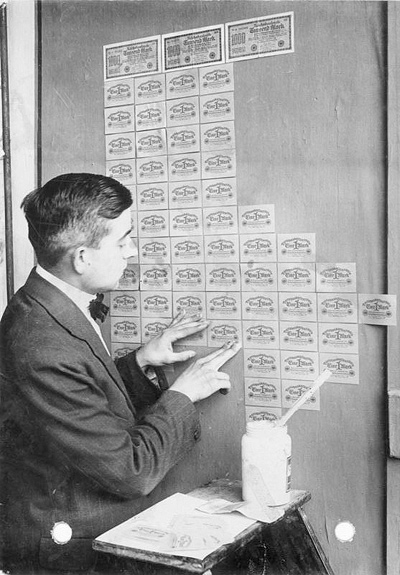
x=264, y=426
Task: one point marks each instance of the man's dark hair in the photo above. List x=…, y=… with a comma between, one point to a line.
x=72, y=210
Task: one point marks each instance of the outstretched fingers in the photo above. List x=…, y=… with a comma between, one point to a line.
x=175, y=320
x=216, y=359
x=187, y=326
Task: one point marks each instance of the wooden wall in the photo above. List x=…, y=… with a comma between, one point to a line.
x=393, y=465
x=20, y=80
x=22, y=54
x=310, y=138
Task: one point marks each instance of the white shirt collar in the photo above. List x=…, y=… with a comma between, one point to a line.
x=79, y=297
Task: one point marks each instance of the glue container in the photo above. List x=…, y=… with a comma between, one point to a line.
x=266, y=463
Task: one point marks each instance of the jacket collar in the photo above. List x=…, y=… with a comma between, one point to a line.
x=70, y=317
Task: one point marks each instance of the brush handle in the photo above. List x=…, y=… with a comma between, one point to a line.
x=317, y=383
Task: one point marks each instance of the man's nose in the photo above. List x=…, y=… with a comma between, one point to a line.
x=131, y=250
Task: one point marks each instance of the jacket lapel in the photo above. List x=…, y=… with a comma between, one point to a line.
x=69, y=316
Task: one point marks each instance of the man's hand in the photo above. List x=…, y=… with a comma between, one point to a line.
x=159, y=351
x=202, y=378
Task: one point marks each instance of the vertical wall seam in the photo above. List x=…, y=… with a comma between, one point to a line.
x=39, y=60
x=5, y=96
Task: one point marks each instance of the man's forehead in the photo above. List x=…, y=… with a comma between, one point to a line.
x=121, y=225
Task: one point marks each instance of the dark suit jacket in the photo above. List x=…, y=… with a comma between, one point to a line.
x=83, y=439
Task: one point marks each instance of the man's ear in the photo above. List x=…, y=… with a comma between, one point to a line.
x=80, y=259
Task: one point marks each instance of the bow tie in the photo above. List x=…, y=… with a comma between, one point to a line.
x=97, y=309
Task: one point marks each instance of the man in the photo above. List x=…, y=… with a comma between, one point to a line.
x=83, y=439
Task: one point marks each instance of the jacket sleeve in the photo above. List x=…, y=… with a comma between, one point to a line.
x=141, y=390
x=83, y=418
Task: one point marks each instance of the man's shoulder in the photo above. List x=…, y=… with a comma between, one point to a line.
x=28, y=311
x=41, y=317
x=30, y=336
x=23, y=317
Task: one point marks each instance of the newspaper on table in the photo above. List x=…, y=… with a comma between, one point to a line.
x=195, y=531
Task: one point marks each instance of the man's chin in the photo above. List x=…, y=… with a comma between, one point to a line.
x=107, y=289
x=114, y=286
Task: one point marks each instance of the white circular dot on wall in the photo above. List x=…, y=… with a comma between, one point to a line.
x=345, y=531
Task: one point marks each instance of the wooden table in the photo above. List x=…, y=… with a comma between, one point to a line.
x=287, y=546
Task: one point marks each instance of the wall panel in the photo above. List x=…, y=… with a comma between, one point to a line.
x=310, y=138
x=393, y=464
